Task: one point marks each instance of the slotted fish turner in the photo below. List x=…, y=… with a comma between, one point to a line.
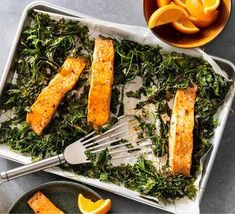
x=115, y=140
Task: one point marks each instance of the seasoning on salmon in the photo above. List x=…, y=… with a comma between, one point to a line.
x=42, y=205
x=45, y=106
x=101, y=83
x=181, y=131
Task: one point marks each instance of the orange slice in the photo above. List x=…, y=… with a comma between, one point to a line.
x=201, y=23
x=201, y=19
x=167, y=14
x=195, y=8
x=185, y=26
x=87, y=206
x=180, y=3
x=161, y=3
x=210, y=5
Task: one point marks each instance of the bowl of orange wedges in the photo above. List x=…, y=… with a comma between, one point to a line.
x=187, y=23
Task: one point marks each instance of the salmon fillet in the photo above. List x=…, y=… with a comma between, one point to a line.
x=101, y=83
x=181, y=131
x=44, y=107
x=42, y=205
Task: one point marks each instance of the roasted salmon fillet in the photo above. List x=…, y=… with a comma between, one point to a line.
x=45, y=106
x=101, y=83
x=181, y=131
x=42, y=205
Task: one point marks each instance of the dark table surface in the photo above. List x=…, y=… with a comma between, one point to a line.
x=220, y=192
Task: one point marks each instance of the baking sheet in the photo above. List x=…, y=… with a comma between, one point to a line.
x=144, y=36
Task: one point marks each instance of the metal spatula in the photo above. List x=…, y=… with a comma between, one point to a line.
x=116, y=140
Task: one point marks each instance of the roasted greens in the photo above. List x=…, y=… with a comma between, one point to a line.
x=42, y=50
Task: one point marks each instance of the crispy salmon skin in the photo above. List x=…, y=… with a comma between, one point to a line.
x=181, y=131
x=42, y=205
x=45, y=106
x=101, y=83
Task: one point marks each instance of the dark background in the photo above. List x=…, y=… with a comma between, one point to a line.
x=220, y=192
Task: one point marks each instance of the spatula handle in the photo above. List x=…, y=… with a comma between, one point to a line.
x=32, y=167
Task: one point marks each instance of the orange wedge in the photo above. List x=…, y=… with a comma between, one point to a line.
x=201, y=23
x=167, y=14
x=180, y=3
x=161, y=3
x=87, y=206
x=185, y=26
x=210, y=5
x=200, y=18
x=195, y=8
